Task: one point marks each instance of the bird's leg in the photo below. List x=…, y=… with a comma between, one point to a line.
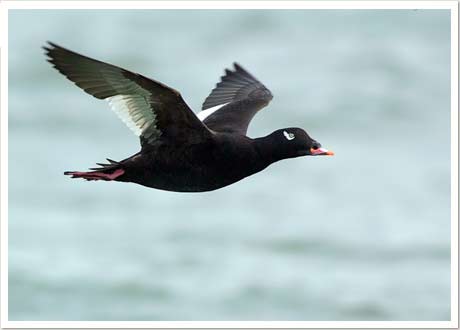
x=96, y=175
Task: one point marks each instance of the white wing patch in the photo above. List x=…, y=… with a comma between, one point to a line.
x=202, y=115
x=288, y=136
x=134, y=110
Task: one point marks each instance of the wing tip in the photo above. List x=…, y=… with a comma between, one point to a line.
x=237, y=66
x=49, y=45
x=54, y=45
x=230, y=83
x=242, y=73
x=51, y=48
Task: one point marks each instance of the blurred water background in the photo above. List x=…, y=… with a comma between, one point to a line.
x=364, y=235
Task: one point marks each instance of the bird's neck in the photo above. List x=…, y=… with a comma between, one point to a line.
x=269, y=151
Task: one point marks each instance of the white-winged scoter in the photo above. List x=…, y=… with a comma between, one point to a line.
x=179, y=150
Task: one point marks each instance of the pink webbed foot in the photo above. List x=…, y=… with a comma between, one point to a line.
x=90, y=176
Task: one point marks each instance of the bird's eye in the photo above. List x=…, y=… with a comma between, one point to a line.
x=288, y=136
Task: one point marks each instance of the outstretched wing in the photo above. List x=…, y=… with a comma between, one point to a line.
x=149, y=108
x=241, y=95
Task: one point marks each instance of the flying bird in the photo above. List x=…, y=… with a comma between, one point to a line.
x=181, y=151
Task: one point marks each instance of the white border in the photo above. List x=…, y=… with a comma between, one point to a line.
x=454, y=164
x=4, y=165
x=7, y=5
x=229, y=4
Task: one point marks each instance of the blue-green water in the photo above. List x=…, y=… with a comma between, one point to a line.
x=364, y=235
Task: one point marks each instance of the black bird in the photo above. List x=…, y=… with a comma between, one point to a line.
x=180, y=152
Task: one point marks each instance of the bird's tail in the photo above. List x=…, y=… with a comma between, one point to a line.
x=106, y=172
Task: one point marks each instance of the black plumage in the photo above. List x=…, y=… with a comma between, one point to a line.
x=242, y=96
x=179, y=152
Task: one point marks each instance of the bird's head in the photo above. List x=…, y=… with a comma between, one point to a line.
x=295, y=142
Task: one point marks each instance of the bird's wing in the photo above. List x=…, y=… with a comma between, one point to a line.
x=149, y=108
x=241, y=95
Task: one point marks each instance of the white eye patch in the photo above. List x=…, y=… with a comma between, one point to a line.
x=289, y=136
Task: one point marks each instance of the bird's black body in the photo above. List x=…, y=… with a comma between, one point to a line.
x=179, y=152
x=209, y=165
